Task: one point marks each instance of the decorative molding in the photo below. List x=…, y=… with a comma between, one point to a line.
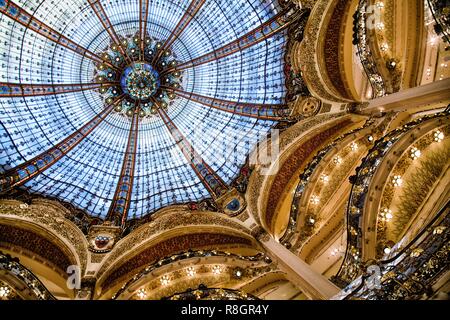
x=292, y=164
x=307, y=55
x=50, y=216
x=25, y=276
x=167, y=220
x=260, y=257
x=287, y=137
x=166, y=247
x=331, y=47
x=16, y=238
x=357, y=214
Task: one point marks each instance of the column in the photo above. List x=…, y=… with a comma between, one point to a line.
x=313, y=284
x=411, y=98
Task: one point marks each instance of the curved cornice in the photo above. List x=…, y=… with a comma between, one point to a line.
x=48, y=216
x=30, y=286
x=212, y=237
x=170, y=225
x=361, y=220
x=287, y=138
x=312, y=62
x=336, y=187
x=177, y=263
x=290, y=161
x=20, y=236
x=329, y=51
x=380, y=190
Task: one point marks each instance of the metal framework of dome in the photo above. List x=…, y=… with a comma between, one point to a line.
x=125, y=107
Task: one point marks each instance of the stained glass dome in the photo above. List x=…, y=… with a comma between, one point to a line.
x=123, y=107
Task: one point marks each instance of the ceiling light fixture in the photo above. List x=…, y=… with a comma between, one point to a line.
x=438, y=136
x=4, y=292
x=165, y=280
x=216, y=269
x=315, y=199
x=142, y=294
x=415, y=153
x=190, y=271
x=397, y=181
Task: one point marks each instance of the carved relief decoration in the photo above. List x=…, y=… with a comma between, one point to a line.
x=12, y=236
x=168, y=219
x=49, y=215
x=293, y=163
x=287, y=137
x=170, y=246
x=307, y=55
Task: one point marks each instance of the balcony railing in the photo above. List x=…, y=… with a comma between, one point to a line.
x=410, y=274
x=304, y=180
x=288, y=236
x=352, y=265
x=203, y=293
x=441, y=14
x=260, y=257
x=12, y=265
x=361, y=40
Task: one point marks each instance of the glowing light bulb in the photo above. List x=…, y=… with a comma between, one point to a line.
x=315, y=199
x=386, y=215
x=165, y=280
x=397, y=181
x=4, y=292
x=216, y=269
x=438, y=136
x=337, y=160
x=190, y=271
x=415, y=153
x=141, y=294
x=324, y=178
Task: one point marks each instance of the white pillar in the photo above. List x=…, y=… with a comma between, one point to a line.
x=313, y=284
x=435, y=92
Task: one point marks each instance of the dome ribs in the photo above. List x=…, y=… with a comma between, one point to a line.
x=118, y=211
x=190, y=13
x=210, y=179
x=57, y=80
x=29, y=90
x=21, y=174
x=143, y=20
x=19, y=15
x=275, y=112
x=107, y=25
x=269, y=28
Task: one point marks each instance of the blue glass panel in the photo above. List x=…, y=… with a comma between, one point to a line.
x=89, y=174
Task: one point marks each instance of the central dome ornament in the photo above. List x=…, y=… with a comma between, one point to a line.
x=140, y=81
x=143, y=68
